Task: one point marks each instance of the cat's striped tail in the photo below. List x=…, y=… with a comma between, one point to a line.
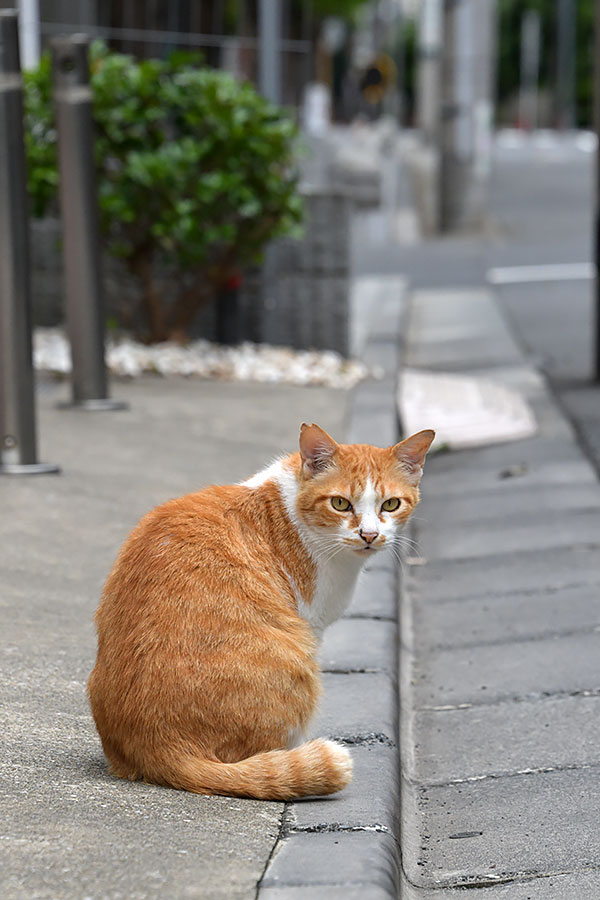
x=315, y=768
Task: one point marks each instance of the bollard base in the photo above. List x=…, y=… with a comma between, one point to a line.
x=98, y=405
x=29, y=469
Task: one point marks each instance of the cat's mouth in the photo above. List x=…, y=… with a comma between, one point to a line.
x=364, y=548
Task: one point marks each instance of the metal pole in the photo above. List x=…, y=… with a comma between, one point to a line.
x=29, y=33
x=400, y=62
x=269, y=52
x=80, y=230
x=456, y=133
x=566, y=33
x=429, y=70
x=18, y=452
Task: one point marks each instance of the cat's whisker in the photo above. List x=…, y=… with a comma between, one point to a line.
x=334, y=552
x=399, y=557
x=403, y=541
x=327, y=552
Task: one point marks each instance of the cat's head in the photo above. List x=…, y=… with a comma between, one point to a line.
x=357, y=497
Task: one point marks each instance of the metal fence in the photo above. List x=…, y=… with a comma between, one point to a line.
x=228, y=35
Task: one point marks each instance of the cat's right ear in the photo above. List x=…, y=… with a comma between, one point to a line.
x=411, y=453
x=317, y=449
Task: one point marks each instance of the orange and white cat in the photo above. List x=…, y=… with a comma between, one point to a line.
x=210, y=622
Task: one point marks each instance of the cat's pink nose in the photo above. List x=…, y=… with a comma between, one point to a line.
x=368, y=536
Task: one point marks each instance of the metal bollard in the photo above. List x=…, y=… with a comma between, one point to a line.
x=80, y=230
x=18, y=452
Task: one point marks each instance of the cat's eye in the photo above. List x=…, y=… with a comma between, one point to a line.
x=341, y=504
x=391, y=504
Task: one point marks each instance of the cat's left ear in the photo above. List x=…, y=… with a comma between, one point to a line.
x=316, y=448
x=411, y=454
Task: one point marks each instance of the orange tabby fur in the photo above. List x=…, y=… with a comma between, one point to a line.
x=205, y=666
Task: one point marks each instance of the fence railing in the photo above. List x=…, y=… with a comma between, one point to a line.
x=240, y=45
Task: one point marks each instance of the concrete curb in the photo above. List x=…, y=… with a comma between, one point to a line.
x=348, y=846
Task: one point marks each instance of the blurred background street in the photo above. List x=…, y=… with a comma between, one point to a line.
x=540, y=213
x=219, y=219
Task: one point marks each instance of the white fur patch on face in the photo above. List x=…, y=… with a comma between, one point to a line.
x=367, y=508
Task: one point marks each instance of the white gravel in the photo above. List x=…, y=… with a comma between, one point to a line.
x=246, y=362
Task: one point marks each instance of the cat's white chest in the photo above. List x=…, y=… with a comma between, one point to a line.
x=335, y=579
x=334, y=586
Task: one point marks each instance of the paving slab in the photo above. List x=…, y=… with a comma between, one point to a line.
x=458, y=329
x=509, y=670
x=483, y=741
x=360, y=645
x=536, y=571
x=551, y=421
x=325, y=892
x=501, y=828
x=357, y=708
x=506, y=507
x=562, y=886
x=581, y=403
x=504, y=456
x=370, y=801
x=510, y=477
x=376, y=594
x=360, y=858
x=533, y=530
x=474, y=621
x=374, y=417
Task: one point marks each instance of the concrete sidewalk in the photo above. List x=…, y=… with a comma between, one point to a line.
x=70, y=831
x=500, y=627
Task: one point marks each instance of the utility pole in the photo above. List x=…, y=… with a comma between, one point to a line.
x=425, y=163
x=456, y=142
x=565, y=88
x=466, y=111
x=429, y=66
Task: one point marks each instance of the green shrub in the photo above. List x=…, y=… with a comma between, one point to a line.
x=195, y=175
